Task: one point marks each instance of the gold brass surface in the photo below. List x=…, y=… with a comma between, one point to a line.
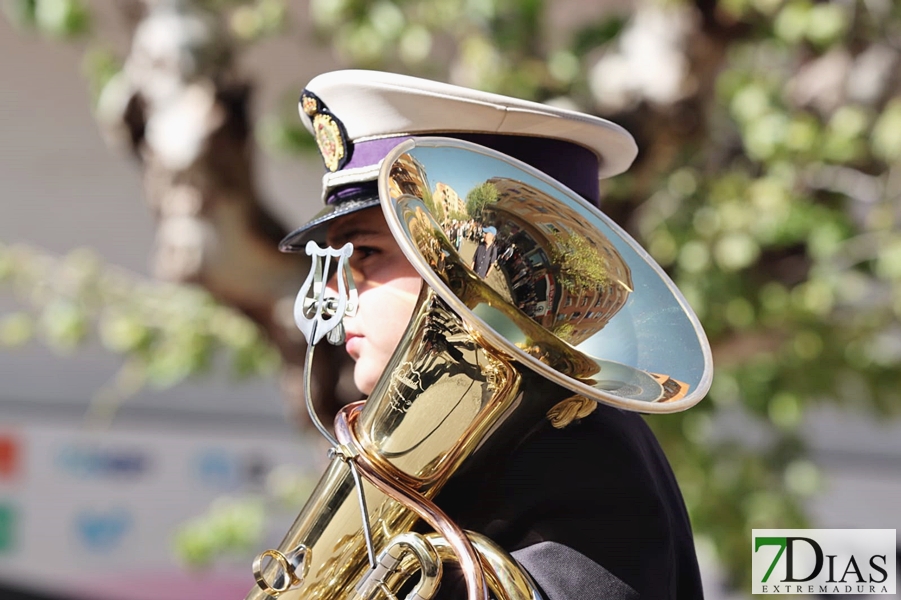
x=571, y=295
x=285, y=568
x=506, y=579
x=417, y=554
x=573, y=312
x=445, y=397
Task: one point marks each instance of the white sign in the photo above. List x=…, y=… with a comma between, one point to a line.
x=93, y=514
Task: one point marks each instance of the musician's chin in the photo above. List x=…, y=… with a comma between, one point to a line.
x=366, y=372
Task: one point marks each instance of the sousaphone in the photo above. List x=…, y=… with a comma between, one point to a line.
x=573, y=312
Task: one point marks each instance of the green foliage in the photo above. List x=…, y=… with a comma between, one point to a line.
x=495, y=45
x=428, y=200
x=564, y=331
x=16, y=329
x=582, y=267
x=597, y=34
x=283, y=133
x=231, y=525
x=479, y=197
x=166, y=332
x=99, y=65
x=64, y=19
x=781, y=254
x=885, y=139
x=253, y=21
x=236, y=525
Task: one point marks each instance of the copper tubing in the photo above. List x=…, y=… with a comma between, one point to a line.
x=476, y=586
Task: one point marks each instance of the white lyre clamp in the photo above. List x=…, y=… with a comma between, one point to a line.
x=316, y=315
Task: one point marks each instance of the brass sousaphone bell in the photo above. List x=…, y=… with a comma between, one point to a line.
x=571, y=312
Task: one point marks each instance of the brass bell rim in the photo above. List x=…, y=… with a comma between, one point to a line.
x=500, y=342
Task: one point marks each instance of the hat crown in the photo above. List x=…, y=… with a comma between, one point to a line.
x=358, y=117
x=369, y=105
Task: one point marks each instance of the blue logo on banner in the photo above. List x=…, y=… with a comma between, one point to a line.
x=221, y=469
x=218, y=469
x=85, y=461
x=102, y=531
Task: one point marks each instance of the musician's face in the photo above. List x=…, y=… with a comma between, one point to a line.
x=388, y=286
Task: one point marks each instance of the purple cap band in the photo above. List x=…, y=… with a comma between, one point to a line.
x=365, y=154
x=574, y=166
x=353, y=191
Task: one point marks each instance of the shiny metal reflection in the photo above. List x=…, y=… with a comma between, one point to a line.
x=564, y=290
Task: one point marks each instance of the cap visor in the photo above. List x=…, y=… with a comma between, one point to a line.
x=316, y=228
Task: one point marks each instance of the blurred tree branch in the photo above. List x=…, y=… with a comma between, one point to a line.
x=179, y=105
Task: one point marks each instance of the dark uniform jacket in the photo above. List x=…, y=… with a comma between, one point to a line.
x=591, y=511
x=484, y=257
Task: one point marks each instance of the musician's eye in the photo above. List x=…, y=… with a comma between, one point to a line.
x=364, y=258
x=365, y=251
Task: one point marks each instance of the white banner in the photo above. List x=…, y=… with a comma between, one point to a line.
x=94, y=514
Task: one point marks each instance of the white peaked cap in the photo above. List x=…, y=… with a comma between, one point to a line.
x=373, y=104
x=357, y=117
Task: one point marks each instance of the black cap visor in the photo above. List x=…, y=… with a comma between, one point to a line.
x=317, y=227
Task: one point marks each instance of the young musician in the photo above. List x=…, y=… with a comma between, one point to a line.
x=590, y=510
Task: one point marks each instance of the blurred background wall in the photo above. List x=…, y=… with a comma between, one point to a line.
x=102, y=503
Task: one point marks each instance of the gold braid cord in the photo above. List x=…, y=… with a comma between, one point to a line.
x=569, y=410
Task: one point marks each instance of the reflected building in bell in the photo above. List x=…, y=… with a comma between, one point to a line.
x=560, y=271
x=447, y=203
x=564, y=274
x=408, y=178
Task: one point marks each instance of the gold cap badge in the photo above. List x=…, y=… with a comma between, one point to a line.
x=328, y=131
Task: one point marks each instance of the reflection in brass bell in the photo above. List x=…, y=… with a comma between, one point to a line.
x=569, y=294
